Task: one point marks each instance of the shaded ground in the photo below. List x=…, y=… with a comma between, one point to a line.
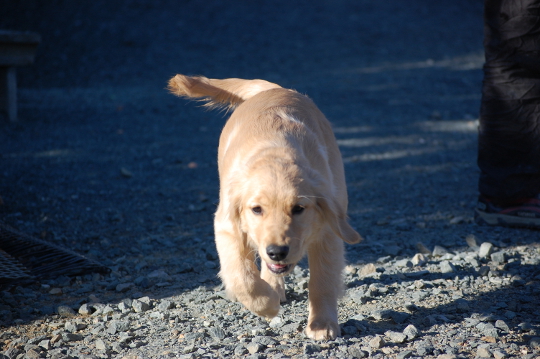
x=106, y=162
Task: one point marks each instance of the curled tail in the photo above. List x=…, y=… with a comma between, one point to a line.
x=218, y=93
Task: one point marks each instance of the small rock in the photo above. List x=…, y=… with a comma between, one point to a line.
x=116, y=326
x=66, y=311
x=140, y=306
x=404, y=263
x=424, y=348
x=56, y=339
x=11, y=353
x=411, y=307
x=70, y=327
x=276, y=322
x=311, y=349
x=399, y=317
x=70, y=337
x=124, y=287
x=498, y=257
x=240, y=350
x=381, y=314
x=485, y=250
x=525, y=327
x=473, y=261
x=377, y=342
x=439, y=251
x=348, y=330
x=367, y=269
x=45, y=344
x=86, y=309
x=217, y=333
x=447, y=267
x=126, y=173
x=190, y=348
x=107, y=310
x=101, y=345
x=488, y=330
x=419, y=259
x=483, y=352
x=471, y=241
x=356, y=353
x=410, y=331
x=499, y=355
x=396, y=337
x=165, y=305
x=359, y=296
x=405, y=354
x=254, y=348
x=483, y=271
x=32, y=354
x=350, y=270
x=422, y=248
x=535, y=342
x=501, y=324
x=264, y=340
x=55, y=291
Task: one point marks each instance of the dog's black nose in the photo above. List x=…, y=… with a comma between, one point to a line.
x=277, y=253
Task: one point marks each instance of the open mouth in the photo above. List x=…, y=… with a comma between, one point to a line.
x=278, y=268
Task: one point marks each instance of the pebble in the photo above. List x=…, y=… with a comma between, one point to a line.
x=411, y=332
x=498, y=257
x=253, y=348
x=66, y=311
x=485, y=250
x=395, y=337
x=140, y=306
x=101, y=345
x=367, y=269
x=447, y=267
x=311, y=348
x=439, y=251
x=377, y=342
x=483, y=351
x=419, y=259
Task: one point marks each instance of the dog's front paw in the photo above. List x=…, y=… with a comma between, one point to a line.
x=323, y=330
x=266, y=305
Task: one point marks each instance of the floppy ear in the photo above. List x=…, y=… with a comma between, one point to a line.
x=337, y=221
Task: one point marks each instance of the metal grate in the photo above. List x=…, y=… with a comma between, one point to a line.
x=11, y=269
x=38, y=258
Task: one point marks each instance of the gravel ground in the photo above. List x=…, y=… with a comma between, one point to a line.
x=105, y=162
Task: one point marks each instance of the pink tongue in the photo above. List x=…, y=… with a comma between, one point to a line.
x=278, y=266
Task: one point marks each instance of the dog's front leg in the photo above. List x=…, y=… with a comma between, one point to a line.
x=278, y=283
x=241, y=277
x=326, y=261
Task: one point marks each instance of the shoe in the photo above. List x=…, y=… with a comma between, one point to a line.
x=520, y=213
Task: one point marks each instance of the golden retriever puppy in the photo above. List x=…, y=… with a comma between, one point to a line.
x=282, y=195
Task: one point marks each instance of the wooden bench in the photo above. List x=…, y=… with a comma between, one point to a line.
x=16, y=49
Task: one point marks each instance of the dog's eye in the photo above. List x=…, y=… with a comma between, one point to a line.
x=297, y=209
x=257, y=210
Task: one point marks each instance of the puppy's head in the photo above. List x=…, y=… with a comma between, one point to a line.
x=281, y=209
x=277, y=213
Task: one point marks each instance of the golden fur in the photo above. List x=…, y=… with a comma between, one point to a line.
x=282, y=185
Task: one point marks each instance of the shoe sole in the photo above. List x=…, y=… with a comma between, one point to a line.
x=497, y=219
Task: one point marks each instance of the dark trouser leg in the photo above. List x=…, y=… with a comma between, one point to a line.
x=509, y=136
